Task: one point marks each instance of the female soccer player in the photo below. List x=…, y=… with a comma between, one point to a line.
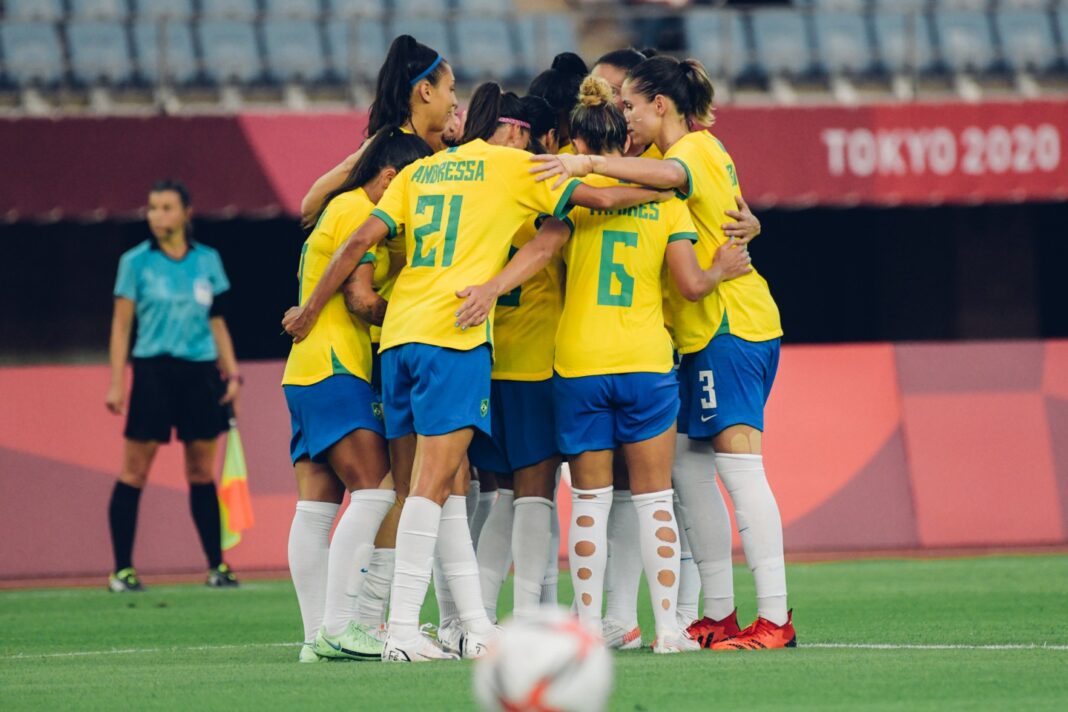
x=175, y=288
x=416, y=90
x=338, y=436
x=729, y=344
x=614, y=383
x=559, y=86
x=459, y=209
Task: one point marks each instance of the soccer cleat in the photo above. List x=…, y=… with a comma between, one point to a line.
x=708, y=632
x=221, y=577
x=355, y=643
x=380, y=633
x=422, y=649
x=449, y=636
x=308, y=654
x=618, y=636
x=678, y=642
x=124, y=581
x=475, y=645
x=762, y=635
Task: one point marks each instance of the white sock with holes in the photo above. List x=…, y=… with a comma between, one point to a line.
x=708, y=523
x=460, y=566
x=689, y=577
x=588, y=551
x=659, y=540
x=494, y=550
x=309, y=555
x=623, y=570
x=760, y=528
x=350, y=552
x=374, y=596
x=531, y=548
x=417, y=536
x=482, y=514
x=551, y=581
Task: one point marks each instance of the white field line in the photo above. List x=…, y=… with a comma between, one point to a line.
x=250, y=646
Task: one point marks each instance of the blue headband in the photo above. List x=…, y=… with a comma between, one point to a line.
x=423, y=74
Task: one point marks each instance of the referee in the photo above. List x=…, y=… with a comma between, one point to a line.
x=184, y=374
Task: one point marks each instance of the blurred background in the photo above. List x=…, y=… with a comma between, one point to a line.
x=906, y=159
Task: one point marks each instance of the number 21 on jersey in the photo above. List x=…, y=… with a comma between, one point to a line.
x=434, y=206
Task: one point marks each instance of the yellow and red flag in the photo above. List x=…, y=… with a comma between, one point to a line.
x=235, y=503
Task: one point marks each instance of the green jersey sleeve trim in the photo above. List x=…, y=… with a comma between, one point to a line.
x=685, y=195
x=392, y=226
x=367, y=259
x=691, y=236
x=565, y=220
x=562, y=207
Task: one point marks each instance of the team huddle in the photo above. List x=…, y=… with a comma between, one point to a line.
x=562, y=276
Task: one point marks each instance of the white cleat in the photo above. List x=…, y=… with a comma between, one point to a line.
x=618, y=636
x=451, y=637
x=420, y=650
x=475, y=645
x=675, y=642
x=684, y=621
x=380, y=633
x=308, y=654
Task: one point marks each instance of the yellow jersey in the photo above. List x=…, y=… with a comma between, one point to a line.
x=742, y=307
x=613, y=320
x=458, y=210
x=651, y=151
x=339, y=343
x=569, y=148
x=524, y=330
x=389, y=258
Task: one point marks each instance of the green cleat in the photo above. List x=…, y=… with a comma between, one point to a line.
x=308, y=654
x=124, y=581
x=221, y=577
x=356, y=643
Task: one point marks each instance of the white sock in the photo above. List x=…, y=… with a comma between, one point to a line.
x=374, y=596
x=531, y=550
x=549, y=584
x=474, y=489
x=350, y=552
x=623, y=570
x=708, y=523
x=309, y=552
x=417, y=535
x=689, y=577
x=588, y=551
x=460, y=566
x=659, y=540
x=447, y=613
x=482, y=513
x=760, y=529
x=494, y=550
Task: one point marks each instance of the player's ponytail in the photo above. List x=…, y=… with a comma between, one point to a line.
x=389, y=148
x=559, y=86
x=596, y=120
x=407, y=63
x=686, y=83
x=490, y=105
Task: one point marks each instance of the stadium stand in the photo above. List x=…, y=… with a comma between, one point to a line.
x=356, y=49
x=165, y=54
x=429, y=31
x=230, y=51
x=436, y=9
x=780, y=42
x=348, y=9
x=163, y=10
x=903, y=42
x=485, y=49
x=294, y=50
x=718, y=39
x=1027, y=39
x=229, y=9
x=33, y=55
x=542, y=37
x=842, y=43
x=114, y=10
x=43, y=10
x=966, y=40
x=99, y=52
x=292, y=9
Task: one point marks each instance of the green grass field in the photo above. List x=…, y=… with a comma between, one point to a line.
x=899, y=634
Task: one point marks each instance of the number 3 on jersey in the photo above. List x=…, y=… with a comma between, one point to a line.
x=708, y=389
x=435, y=205
x=615, y=288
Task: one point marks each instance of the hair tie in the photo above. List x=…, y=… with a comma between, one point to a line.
x=515, y=122
x=423, y=74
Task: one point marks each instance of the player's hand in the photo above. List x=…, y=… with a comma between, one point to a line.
x=733, y=260
x=564, y=165
x=745, y=227
x=233, y=389
x=478, y=302
x=298, y=322
x=116, y=399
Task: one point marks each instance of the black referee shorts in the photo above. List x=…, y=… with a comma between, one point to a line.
x=174, y=393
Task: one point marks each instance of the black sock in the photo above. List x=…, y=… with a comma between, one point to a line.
x=204, y=503
x=122, y=517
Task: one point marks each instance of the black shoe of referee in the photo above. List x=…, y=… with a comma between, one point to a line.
x=221, y=577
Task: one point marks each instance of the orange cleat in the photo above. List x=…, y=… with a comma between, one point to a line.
x=707, y=632
x=762, y=635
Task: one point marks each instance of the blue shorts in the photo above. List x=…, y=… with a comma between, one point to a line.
x=600, y=412
x=376, y=372
x=324, y=412
x=524, y=429
x=431, y=390
x=726, y=383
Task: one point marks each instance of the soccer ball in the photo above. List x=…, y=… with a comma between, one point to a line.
x=545, y=663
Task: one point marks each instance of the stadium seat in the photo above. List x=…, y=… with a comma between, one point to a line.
x=484, y=8
x=781, y=42
x=99, y=10
x=966, y=40
x=485, y=49
x=357, y=49
x=839, y=5
x=229, y=51
x=32, y=52
x=723, y=51
x=1062, y=26
x=158, y=10
x=1025, y=4
x=901, y=5
x=44, y=10
x=979, y=5
x=432, y=33
x=542, y=37
x=297, y=9
x=1027, y=40
x=294, y=50
x=228, y=9
x=178, y=61
x=420, y=8
x=842, y=43
x=903, y=41
x=346, y=9
x=99, y=51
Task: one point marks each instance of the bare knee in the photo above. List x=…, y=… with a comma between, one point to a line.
x=136, y=462
x=739, y=440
